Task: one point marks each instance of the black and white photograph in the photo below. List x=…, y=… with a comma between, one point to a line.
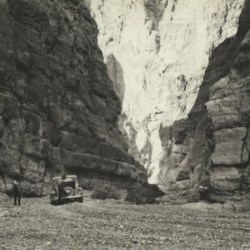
x=124, y=124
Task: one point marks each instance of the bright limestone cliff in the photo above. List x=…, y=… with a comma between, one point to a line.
x=157, y=52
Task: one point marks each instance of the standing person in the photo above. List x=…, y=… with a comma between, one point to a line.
x=17, y=192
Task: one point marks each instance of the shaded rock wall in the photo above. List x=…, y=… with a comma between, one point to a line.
x=210, y=149
x=162, y=48
x=58, y=109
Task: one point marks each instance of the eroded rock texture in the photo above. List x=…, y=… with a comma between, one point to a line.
x=58, y=109
x=157, y=52
x=211, y=148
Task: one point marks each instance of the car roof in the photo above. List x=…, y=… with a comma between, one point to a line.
x=60, y=177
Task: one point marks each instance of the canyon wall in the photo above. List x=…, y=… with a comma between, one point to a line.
x=58, y=109
x=156, y=53
x=208, y=153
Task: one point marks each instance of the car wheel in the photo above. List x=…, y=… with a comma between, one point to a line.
x=80, y=199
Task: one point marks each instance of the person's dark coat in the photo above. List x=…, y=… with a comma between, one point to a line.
x=17, y=193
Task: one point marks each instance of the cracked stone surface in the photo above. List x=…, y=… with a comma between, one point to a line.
x=58, y=108
x=216, y=134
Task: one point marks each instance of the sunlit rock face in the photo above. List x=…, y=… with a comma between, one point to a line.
x=208, y=153
x=157, y=52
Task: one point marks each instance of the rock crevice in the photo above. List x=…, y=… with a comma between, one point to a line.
x=163, y=48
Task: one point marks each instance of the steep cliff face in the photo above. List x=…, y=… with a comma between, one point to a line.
x=211, y=147
x=156, y=53
x=58, y=109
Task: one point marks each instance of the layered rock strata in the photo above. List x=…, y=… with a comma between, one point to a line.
x=157, y=52
x=171, y=59
x=58, y=109
x=210, y=149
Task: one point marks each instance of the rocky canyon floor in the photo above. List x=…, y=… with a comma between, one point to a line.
x=109, y=224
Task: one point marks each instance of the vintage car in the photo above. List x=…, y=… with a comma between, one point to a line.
x=65, y=189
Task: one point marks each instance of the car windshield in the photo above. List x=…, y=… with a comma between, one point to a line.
x=69, y=184
x=69, y=181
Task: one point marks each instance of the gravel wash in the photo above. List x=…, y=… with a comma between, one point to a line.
x=109, y=224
